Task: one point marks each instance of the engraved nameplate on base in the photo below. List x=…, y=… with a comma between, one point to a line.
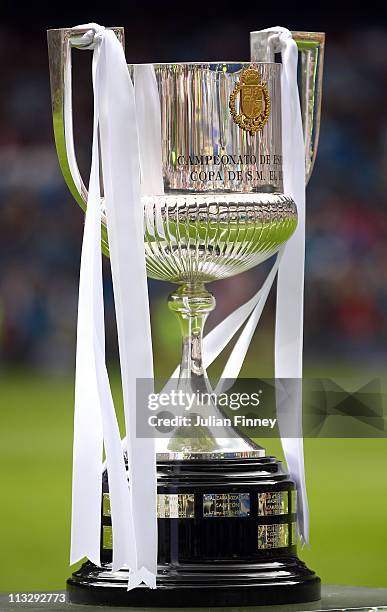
x=293, y=501
x=106, y=509
x=273, y=503
x=176, y=505
x=274, y=536
x=107, y=537
x=226, y=504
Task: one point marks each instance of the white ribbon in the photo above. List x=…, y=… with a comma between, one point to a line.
x=133, y=508
x=149, y=129
x=290, y=284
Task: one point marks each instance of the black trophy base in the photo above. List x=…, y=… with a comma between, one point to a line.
x=201, y=586
x=226, y=537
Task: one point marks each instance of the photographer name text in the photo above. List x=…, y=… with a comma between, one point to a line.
x=237, y=420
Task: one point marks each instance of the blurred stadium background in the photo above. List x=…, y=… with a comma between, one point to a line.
x=41, y=227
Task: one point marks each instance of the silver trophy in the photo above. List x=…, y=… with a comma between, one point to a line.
x=223, y=211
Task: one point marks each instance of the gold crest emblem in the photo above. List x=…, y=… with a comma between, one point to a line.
x=254, y=103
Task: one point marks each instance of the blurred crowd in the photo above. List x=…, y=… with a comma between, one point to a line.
x=41, y=226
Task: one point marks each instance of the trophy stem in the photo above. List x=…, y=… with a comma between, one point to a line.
x=205, y=433
x=192, y=303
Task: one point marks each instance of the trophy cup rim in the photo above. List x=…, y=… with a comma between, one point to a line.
x=206, y=63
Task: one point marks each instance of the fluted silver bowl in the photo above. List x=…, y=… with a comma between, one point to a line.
x=196, y=238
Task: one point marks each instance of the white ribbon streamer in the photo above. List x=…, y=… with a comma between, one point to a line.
x=238, y=354
x=133, y=508
x=290, y=284
x=149, y=129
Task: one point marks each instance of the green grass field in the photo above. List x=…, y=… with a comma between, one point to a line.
x=347, y=487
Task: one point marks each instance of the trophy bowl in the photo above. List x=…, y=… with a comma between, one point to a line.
x=210, y=236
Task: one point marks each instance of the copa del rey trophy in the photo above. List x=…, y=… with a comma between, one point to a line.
x=198, y=173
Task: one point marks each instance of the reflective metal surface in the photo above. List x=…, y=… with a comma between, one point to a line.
x=273, y=503
x=226, y=505
x=176, y=505
x=107, y=537
x=311, y=46
x=205, y=237
x=59, y=56
x=257, y=453
x=203, y=148
x=278, y=535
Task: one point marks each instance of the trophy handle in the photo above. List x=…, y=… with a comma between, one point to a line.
x=60, y=42
x=311, y=46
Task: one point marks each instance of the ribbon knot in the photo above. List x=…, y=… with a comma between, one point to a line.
x=279, y=38
x=89, y=39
